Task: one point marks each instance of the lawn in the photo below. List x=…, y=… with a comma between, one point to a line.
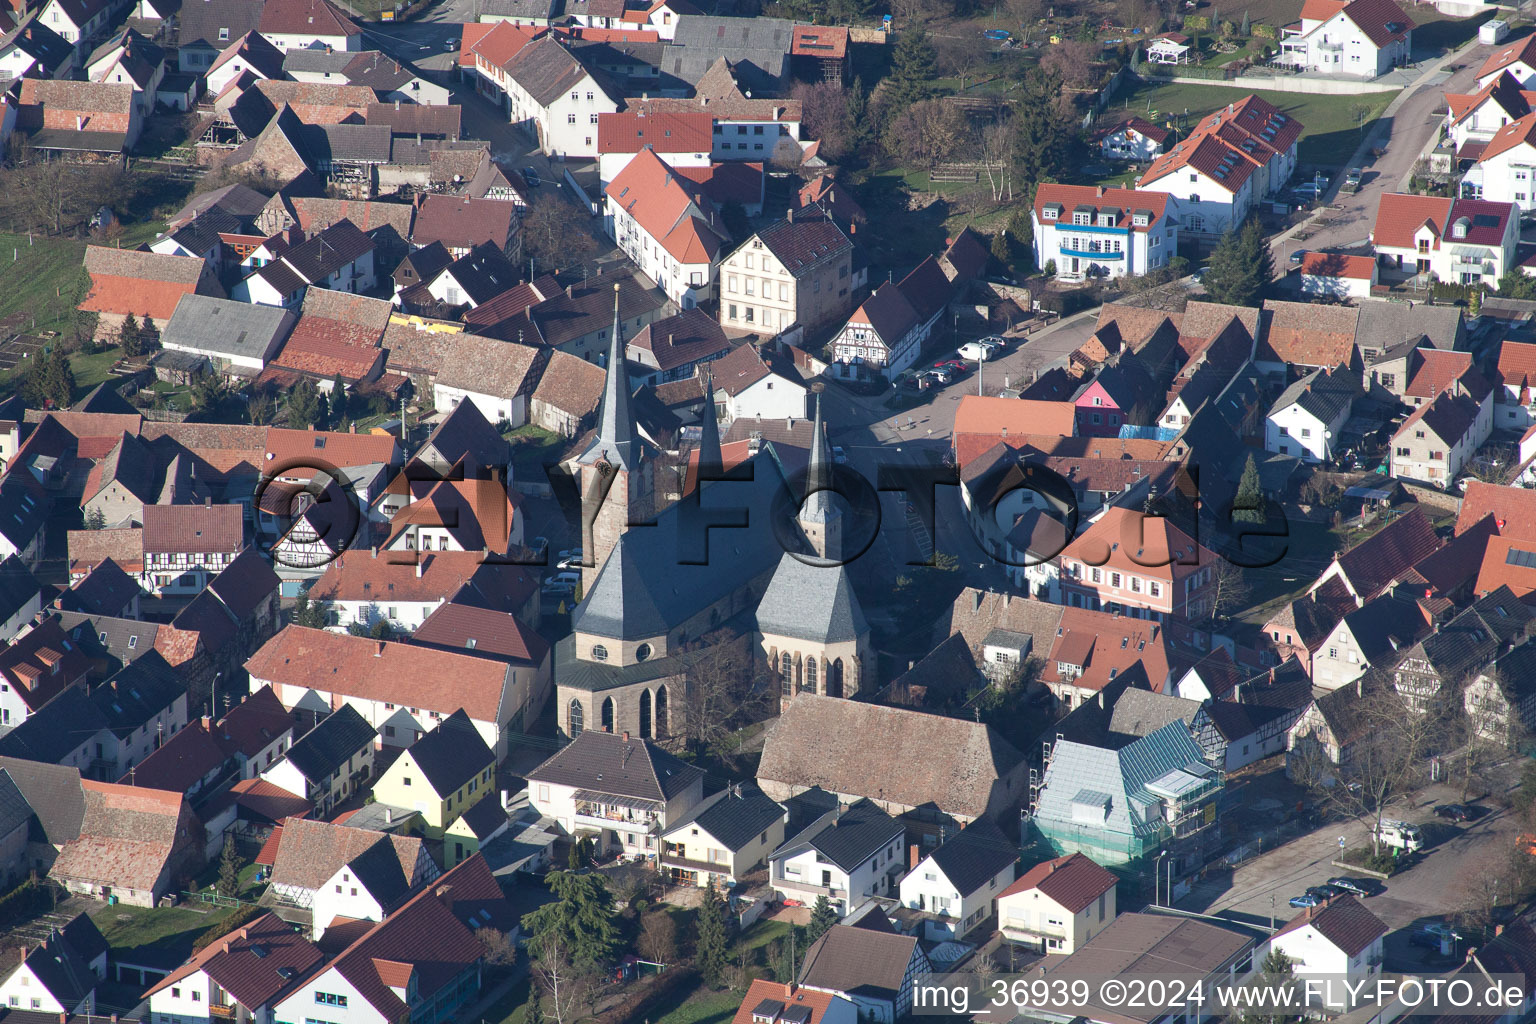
x=158, y=935
x=43, y=279
x=533, y=448
x=1331, y=124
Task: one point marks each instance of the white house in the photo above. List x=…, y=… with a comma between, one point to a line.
x=1464, y=241
x=1306, y=419
x=1131, y=138
x=1229, y=161
x=1361, y=38
x=752, y=382
x=1086, y=231
x=77, y=21
x=329, y=763
x=549, y=88
x=1517, y=57
x=1504, y=172
x=1516, y=391
x=887, y=332
x=339, y=259
x=23, y=518
x=681, y=140
x=1058, y=905
x=402, y=690
x=1475, y=117
x=309, y=25
x=60, y=974
x=956, y=884
x=628, y=791
x=723, y=838
x=875, y=969
x=1437, y=439
x=1333, y=275
x=222, y=980
x=822, y=861
x=251, y=55
x=664, y=222
x=1340, y=939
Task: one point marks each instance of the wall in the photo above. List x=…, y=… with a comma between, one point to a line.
x=1289, y=83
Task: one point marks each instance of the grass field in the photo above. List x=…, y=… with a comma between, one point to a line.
x=43, y=279
x=1331, y=123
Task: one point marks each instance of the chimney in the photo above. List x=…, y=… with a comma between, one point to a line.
x=375, y=551
x=914, y=857
x=207, y=723
x=380, y=652
x=570, y=290
x=505, y=799
x=789, y=215
x=1360, y=687
x=420, y=562
x=789, y=990
x=389, y=815
x=626, y=735
x=207, y=503
x=1101, y=191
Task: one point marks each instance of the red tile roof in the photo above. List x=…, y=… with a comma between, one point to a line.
x=497, y=44
x=256, y=963
x=327, y=348
x=1125, y=201
x=1001, y=417
x=381, y=670
x=1133, y=123
x=1515, y=52
x=1343, y=921
x=790, y=995
x=1373, y=565
x=632, y=131
x=1507, y=561
x=194, y=529
x=826, y=41
x=396, y=575
x=1518, y=132
x=472, y=33
x=1513, y=509
x=1333, y=264
x=1439, y=370
x=1517, y=365
x=133, y=281
x=1165, y=551
x=1237, y=139
x=669, y=208
x=1382, y=21
x=1074, y=881
x=305, y=17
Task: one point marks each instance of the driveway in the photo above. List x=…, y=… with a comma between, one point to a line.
x=1410, y=122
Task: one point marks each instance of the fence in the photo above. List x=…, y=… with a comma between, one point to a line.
x=212, y=897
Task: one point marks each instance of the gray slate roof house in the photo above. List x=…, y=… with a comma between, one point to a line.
x=868, y=965
x=845, y=837
x=236, y=334
x=452, y=754
x=331, y=744
x=618, y=765
x=974, y=855
x=735, y=816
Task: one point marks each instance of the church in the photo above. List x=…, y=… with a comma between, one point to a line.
x=668, y=585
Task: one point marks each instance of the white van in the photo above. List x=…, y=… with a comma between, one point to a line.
x=1400, y=834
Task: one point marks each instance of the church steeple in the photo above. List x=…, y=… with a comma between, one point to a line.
x=711, y=458
x=820, y=519
x=615, y=443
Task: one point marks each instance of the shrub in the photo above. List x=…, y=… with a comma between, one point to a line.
x=1367, y=858
x=24, y=902
x=244, y=915
x=1264, y=31
x=1197, y=23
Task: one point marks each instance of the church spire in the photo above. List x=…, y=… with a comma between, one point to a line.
x=818, y=475
x=615, y=440
x=711, y=459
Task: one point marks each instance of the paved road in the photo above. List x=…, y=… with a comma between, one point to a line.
x=1412, y=123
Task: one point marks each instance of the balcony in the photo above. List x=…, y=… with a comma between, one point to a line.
x=1331, y=47
x=1479, y=267
x=674, y=860
x=789, y=884
x=1013, y=928
x=1092, y=254
x=599, y=819
x=223, y=1012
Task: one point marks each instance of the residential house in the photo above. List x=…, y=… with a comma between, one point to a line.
x=959, y=770
x=308, y=854
x=1332, y=275
x=1096, y=232
x=576, y=320
x=1437, y=440
x=1510, y=951
x=249, y=57
x=78, y=120
x=1058, y=905
x=887, y=332
x=186, y=545
x=954, y=886
x=441, y=775
x=676, y=348
x=239, y=976
x=1340, y=939
x=1253, y=721
x=1308, y=418
x=340, y=258
x=1500, y=703
x=127, y=58
x=478, y=276
x=1434, y=669
x=850, y=855
x=668, y=226
x=21, y=595
x=461, y=223
x=1152, y=797
x=38, y=666
x=203, y=31
x=752, y=383
x=237, y=338
x=1130, y=138
x=424, y=959
x=33, y=50
x=1169, y=574
x=1227, y=163
x=802, y=269
x=398, y=688
x=547, y=86
x=1359, y=38
x=629, y=791
x=1371, y=567
x=1471, y=119
x=876, y=970
x=747, y=127
x=723, y=838
x=329, y=762
x=308, y=24
x=338, y=335
x=679, y=140
x=60, y=974
x=77, y=21
x=134, y=844
x=1370, y=635
x=399, y=590
x=1516, y=380
x=772, y=1002
x=1502, y=173
x=1517, y=58
x=1464, y=241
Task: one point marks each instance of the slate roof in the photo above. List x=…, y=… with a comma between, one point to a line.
x=951, y=763
x=845, y=837
x=209, y=21
x=734, y=817
x=330, y=744
x=1074, y=881
x=975, y=855
x=1380, y=560
x=1343, y=921
x=1325, y=395
x=861, y=962
x=452, y=754
x=613, y=764
x=18, y=586
x=545, y=68
x=805, y=243
x=54, y=794
x=483, y=632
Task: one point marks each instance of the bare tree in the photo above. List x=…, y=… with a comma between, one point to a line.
x=500, y=950
x=553, y=236
x=928, y=131
x=567, y=985
x=824, y=110
x=1229, y=588
x=727, y=687
x=658, y=938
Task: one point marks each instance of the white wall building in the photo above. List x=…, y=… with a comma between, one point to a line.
x=1100, y=232
x=1341, y=939
x=1359, y=38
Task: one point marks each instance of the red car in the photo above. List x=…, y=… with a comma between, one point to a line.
x=952, y=365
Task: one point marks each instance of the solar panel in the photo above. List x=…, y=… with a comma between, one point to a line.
x=1524, y=559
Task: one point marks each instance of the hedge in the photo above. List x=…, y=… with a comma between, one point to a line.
x=1263, y=31
x=244, y=915
x=25, y=902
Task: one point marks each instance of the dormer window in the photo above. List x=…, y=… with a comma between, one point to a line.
x=1049, y=213
x=1082, y=218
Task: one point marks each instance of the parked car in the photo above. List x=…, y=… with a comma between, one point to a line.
x=1297, y=257
x=939, y=376
x=1352, y=885
x=1325, y=892
x=1308, y=191
x=573, y=562
x=952, y=365
x=1199, y=275
x=976, y=351
x=1352, y=178
x=570, y=553
x=539, y=545
x=1304, y=901
x=838, y=455
x=567, y=576
x=1399, y=834
x=1454, y=812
